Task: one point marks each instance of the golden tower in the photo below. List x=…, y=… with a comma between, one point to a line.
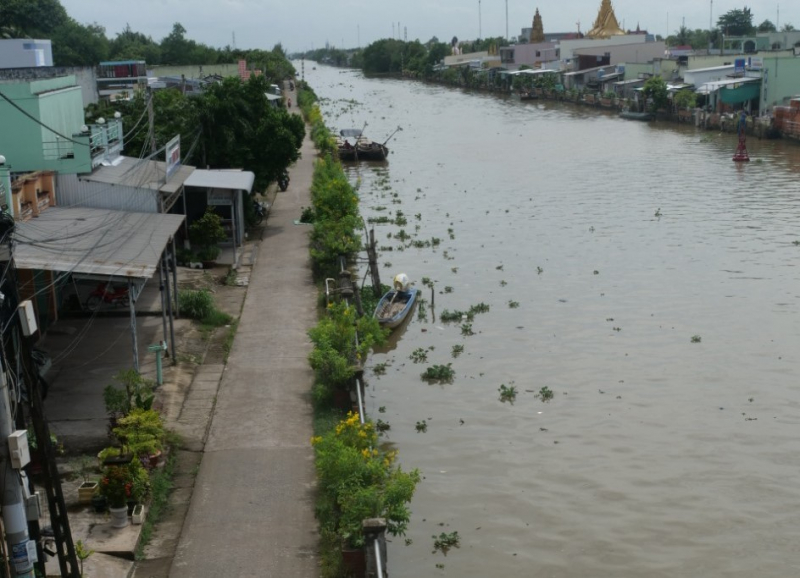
x=537, y=32
x=606, y=24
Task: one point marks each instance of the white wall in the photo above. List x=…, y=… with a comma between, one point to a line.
x=569, y=46
x=627, y=52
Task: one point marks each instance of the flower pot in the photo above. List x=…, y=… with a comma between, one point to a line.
x=154, y=459
x=119, y=516
x=355, y=562
x=86, y=491
x=99, y=503
x=138, y=514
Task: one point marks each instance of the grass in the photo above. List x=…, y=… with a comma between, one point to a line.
x=231, y=335
x=160, y=488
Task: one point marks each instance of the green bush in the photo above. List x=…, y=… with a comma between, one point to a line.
x=196, y=304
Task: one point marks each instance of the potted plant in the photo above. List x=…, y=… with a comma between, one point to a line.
x=206, y=232
x=122, y=484
x=142, y=432
x=88, y=488
x=117, y=486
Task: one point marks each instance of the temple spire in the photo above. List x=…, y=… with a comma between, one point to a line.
x=606, y=24
x=537, y=31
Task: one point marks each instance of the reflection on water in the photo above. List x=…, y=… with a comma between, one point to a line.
x=659, y=455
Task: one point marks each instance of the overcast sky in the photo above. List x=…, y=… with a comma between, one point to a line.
x=306, y=24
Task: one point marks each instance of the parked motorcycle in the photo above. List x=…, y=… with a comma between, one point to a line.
x=283, y=181
x=103, y=293
x=261, y=209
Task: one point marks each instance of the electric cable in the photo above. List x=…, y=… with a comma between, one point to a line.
x=37, y=121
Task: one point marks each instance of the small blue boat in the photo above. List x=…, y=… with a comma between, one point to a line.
x=395, y=306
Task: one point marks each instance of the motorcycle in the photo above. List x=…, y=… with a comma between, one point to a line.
x=260, y=208
x=103, y=293
x=283, y=182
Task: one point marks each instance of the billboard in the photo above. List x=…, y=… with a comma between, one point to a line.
x=173, y=154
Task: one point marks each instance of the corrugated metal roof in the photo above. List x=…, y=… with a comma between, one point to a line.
x=235, y=180
x=140, y=174
x=94, y=241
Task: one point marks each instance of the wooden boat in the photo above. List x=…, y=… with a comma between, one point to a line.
x=631, y=115
x=361, y=148
x=395, y=306
x=527, y=96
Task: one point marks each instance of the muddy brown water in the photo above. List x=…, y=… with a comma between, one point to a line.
x=659, y=455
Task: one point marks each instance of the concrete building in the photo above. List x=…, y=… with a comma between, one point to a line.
x=623, y=53
x=43, y=128
x=120, y=79
x=533, y=55
x=25, y=52
x=568, y=47
x=85, y=77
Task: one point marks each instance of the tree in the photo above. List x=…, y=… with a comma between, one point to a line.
x=130, y=45
x=787, y=28
x=683, y=36
x=33, y=18
x=684, y=99
x=736, y=22
x=767, y=26
x=175, y=49
x=655, y=90
x=76, y=44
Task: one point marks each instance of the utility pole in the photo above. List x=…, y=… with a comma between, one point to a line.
x=506, y=20
x=480, y=32
x=19, y=546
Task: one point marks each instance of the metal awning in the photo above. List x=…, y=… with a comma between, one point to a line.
x=710, y=87
x=94, y=241
x=350, y=132
x=234, y=180
x=532, y=71
x=140, y=174
x=629, y=82
x=272, y=97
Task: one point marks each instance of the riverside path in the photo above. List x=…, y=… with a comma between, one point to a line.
x=252, y=509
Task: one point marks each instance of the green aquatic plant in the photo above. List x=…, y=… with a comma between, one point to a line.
x=419, y=355
x=507, y=393
x=696, y=339
x=422, y=426
x=445, y=542
x=545, y=394
x=466, y=329
x=513, y=304
x=439, y=373
x=457, y=350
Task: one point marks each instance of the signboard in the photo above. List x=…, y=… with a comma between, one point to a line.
x=173, y=153
x=738, y=65
x=756, y=62
x=218, y=197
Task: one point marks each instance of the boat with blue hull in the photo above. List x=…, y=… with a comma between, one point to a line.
x=397, y=303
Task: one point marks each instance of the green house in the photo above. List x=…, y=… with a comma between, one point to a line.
x=44, y=128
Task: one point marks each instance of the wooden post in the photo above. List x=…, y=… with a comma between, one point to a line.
x=372, y=254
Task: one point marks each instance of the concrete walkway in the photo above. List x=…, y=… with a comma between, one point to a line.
x=252, y=509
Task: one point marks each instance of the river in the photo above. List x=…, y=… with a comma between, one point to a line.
x=633, y=270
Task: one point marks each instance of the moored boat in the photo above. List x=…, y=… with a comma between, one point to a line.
x=397, y=303
x=631, y=115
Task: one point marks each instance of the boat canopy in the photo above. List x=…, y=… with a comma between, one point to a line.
x=350, y=132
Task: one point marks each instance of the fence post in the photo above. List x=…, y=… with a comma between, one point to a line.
x=375, y=534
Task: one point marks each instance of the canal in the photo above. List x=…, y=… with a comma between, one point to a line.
x=635, y=272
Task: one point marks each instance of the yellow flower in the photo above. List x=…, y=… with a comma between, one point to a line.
x=315, y=440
